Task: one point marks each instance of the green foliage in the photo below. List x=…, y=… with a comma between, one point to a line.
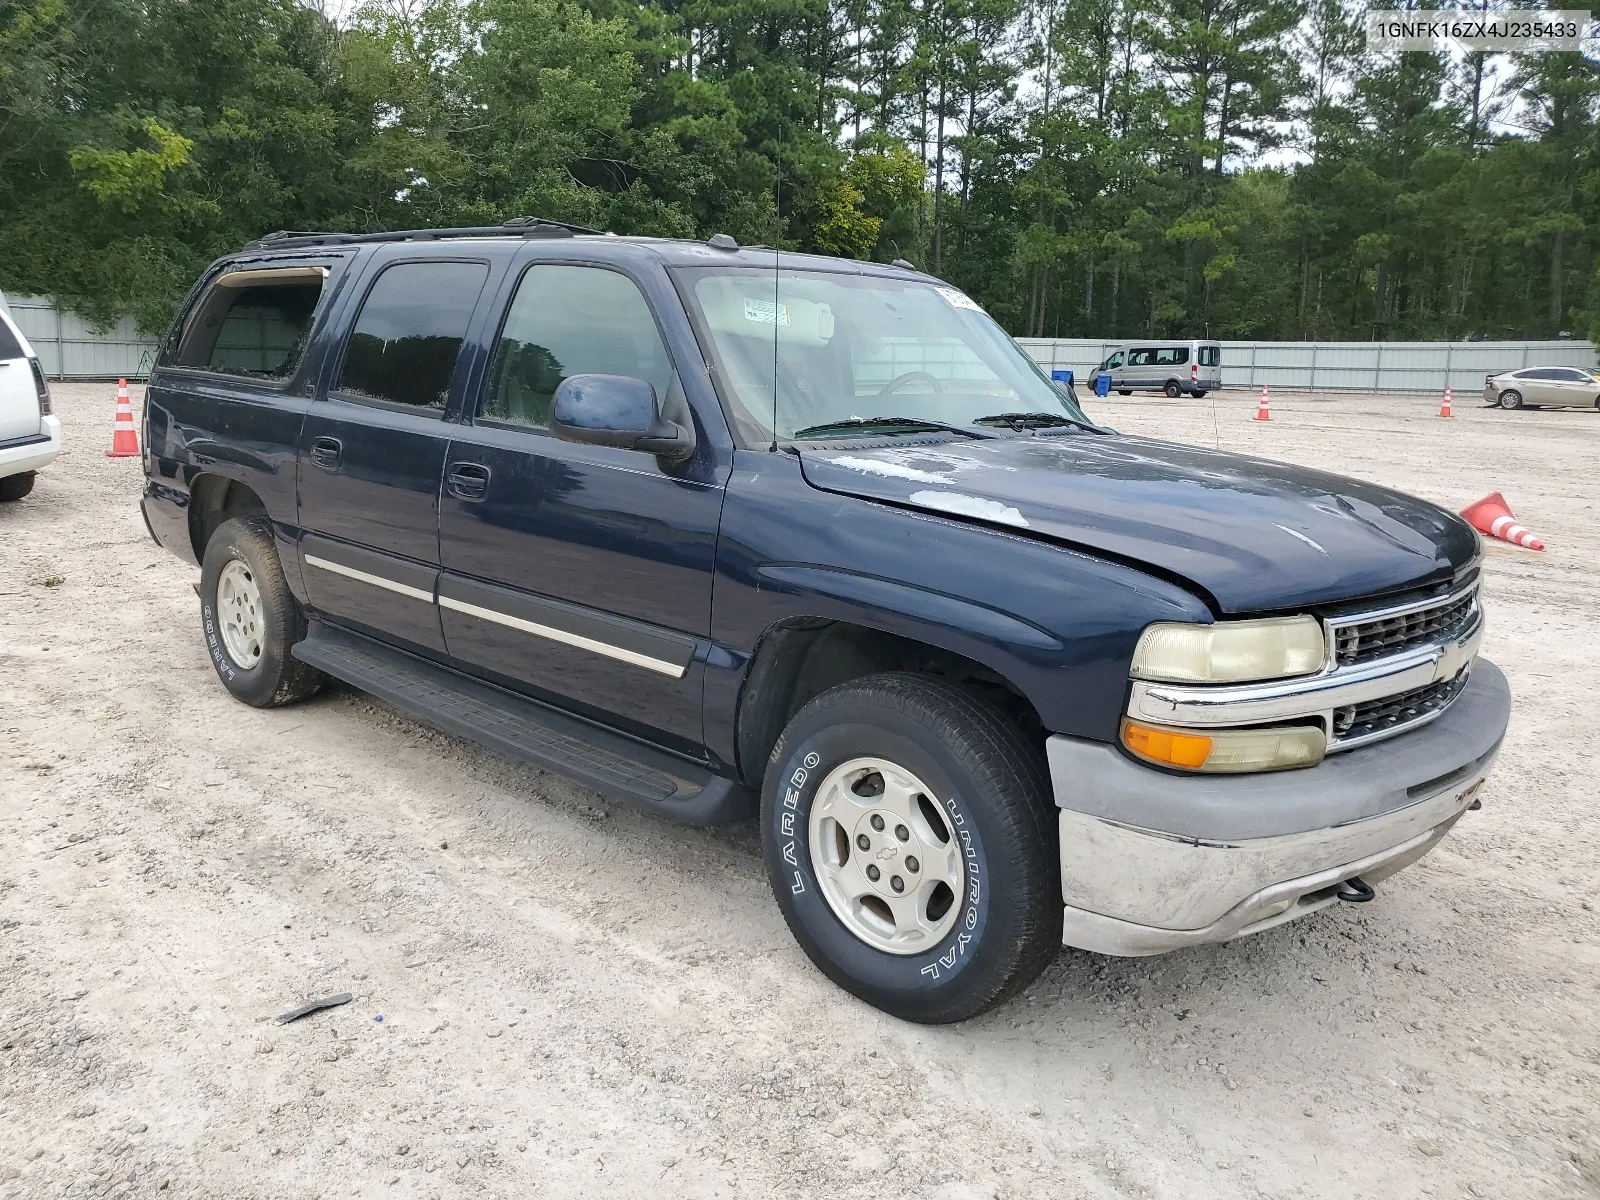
x=1082, y=167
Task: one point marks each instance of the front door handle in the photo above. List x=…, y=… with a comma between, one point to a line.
x=467, y=481
x=326, y=452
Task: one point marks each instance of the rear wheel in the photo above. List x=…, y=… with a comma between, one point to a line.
x=1173, y=389
x=250, y=618
x=908, y=833
x=1198, y=392
x=15, y=487
x=1510, y=400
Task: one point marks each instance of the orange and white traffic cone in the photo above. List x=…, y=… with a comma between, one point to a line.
x=124, y=437
x=1492, y=515
x=1261, y=410
x=1444, y=409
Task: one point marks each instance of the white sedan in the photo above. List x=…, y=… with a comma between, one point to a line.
x=30, y=435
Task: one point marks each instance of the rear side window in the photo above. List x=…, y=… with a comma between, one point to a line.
x=408, y=335
x=570, y=320
x=1141, y=358
x=9, y=346
x=1172, y=356
x=1210, y=356
x=252, y=323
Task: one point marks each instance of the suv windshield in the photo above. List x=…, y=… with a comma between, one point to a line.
x=853, y=348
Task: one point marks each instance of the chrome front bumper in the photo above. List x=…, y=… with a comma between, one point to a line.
x=1152, y=861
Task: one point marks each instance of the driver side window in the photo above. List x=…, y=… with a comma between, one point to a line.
x=570, y=320
x=1115, y=361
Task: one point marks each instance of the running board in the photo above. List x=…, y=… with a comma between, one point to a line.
x=607, y=762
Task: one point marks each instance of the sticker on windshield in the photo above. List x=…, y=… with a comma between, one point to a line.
x=957, y=299
x=767, y=312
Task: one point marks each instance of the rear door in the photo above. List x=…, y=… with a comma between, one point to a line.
x=19, y=397
x=372, y=450
x=580, y=574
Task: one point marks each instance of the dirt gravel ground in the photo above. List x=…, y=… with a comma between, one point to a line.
x=558, y=997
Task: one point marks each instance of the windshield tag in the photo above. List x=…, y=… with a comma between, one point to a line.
x=956, y=299
x=763, y=312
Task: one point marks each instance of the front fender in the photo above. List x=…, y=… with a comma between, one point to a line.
x=1058, y=624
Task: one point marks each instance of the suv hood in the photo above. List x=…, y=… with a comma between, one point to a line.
x=1253, y=535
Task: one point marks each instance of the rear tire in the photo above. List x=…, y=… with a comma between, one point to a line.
x=1173, y=389
x=15, y=487
x=928, y=785
x=251, y=625
x=1198, y=393
x=1510, y=400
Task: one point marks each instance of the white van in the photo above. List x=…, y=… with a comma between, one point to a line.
x=1171, y=367
x=30, y=434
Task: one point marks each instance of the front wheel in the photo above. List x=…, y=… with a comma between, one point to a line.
x=1510, y=400
x=1198, y=393
x=909, y=837
x=250, y=618
x=1124, y=391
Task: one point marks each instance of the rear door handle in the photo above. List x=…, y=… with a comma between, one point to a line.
x=326, y=452
x=468, y=481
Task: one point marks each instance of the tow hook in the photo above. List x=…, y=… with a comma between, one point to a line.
x=1355, y=890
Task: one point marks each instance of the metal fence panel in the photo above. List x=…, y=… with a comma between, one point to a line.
x=1344, y=366
x=68, y=348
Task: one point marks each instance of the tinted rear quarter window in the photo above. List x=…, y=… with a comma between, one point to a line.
x=406, y=340
x=1172, y=356
x=252, y=323
x=9, y=346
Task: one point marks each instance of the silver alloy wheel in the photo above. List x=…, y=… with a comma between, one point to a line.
x=886, y=856
x=239, y=611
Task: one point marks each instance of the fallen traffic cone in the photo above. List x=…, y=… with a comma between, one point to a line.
x=124, y=437
x=1492, y=515
x=1444, y=409
x=1261, y=410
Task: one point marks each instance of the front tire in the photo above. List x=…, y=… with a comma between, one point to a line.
x=933, y=789
x=1198, y=393
x=15, y=487
x=1510, y=400
x=1124, y=391
x=250, y=618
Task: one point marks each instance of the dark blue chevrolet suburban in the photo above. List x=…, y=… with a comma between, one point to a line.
x=722, y=532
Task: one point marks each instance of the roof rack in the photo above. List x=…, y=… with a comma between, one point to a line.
x=527, y=227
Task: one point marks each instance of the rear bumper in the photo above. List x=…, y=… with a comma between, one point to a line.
x=1151, y=861
x=32, y=453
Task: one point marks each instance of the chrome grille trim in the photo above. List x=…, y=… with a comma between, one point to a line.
x=1368, y=636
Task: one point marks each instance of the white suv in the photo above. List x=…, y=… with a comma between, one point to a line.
x=30, y=435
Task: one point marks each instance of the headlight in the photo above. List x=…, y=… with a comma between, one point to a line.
x=1227, y=750
x=1230, y=651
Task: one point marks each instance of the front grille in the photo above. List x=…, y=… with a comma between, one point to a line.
x=1363, y=641
x=1393, y=713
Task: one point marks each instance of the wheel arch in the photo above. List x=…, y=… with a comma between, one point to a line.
x=214, y=499
x=799, y=657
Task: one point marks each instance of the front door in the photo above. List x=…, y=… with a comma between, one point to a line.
x=372, y=454
x=579, y=574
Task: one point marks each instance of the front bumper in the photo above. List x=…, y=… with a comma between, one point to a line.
x=32, y=453
x=1152, y=861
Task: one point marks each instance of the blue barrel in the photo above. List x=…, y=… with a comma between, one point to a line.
x=1102, y=384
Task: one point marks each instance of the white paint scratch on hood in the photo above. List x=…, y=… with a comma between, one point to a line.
x=970, y=506
x=890, y=470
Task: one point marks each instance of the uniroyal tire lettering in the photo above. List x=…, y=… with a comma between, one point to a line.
x=969, y=919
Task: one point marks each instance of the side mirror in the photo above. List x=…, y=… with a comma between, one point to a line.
x=616, y=410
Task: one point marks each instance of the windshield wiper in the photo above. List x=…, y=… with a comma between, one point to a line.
x=1035, y=420
x=890, y=425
